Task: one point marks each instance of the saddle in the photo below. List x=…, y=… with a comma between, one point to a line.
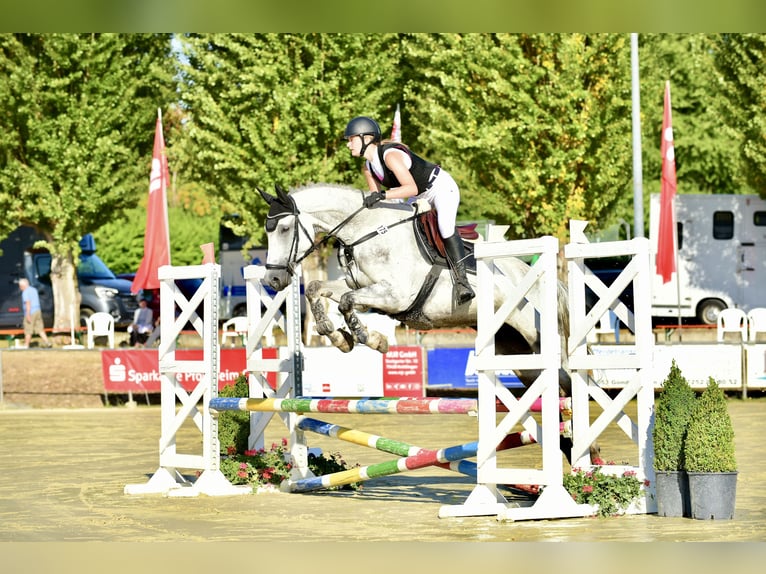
x=430, y=240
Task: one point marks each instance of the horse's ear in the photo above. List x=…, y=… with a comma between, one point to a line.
x=267, y=198
x=281, y=194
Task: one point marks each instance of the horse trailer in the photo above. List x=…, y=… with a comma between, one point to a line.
x=721, y=256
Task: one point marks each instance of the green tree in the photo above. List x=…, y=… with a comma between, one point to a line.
x=706, y=160
x=271, y=108
x=76, y=132
x=535, y=128
x=741, y=61
x=193, y=219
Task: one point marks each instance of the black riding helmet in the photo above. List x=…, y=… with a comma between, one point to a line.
x=363, y=126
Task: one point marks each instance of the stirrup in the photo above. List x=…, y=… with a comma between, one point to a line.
x=462, y=294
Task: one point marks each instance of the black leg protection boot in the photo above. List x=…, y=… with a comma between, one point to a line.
x=453, y=245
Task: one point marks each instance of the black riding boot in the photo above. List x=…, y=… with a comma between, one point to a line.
x=453, y=245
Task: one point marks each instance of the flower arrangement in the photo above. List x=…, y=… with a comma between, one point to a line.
x=610, y=493
x=263, y=468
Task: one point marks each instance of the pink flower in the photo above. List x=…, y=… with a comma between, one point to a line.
x=284, y=441
x=242, y=474
x=243, y=466
x=587, y=488
x=629, y=473
x=598, y=461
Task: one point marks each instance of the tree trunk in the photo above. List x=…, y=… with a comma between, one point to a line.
x=66, y=296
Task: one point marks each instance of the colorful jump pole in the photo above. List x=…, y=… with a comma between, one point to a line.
x=414, y=457
x=421, y=460
x=361, y=406
x=367, y=406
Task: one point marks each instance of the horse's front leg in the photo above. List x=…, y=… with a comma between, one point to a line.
x=340, y=338
x=373, y=296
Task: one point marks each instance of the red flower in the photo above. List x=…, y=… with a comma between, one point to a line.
x=242, y=474
x=587, y=488
x=284, y=441
x=230, y=450
x=250, y=452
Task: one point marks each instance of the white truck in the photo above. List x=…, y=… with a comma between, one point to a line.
x=721, y=256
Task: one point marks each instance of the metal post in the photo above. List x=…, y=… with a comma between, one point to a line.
x=638, y=201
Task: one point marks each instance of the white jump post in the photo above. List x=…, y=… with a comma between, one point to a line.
x=168, y=479
x=635, y=356
x=486, y=499
x=288, y=365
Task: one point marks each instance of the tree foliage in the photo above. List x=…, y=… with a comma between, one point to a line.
x=271, y=108
x=741, y=61
x=536, y=128
x=76, y=135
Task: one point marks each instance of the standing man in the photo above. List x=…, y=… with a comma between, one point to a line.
x=33, y=316
x=142, y=324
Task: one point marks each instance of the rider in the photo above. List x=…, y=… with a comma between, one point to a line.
x=405, y=174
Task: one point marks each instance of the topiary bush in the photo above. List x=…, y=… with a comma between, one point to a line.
x=673, y=410
x=234, y=426
x=709, y=445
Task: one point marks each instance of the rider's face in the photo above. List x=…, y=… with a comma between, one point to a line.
x=354, y=145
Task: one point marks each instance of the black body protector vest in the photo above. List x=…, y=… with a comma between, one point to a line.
x=420, y=169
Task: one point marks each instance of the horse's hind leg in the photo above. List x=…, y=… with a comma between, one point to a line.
x=340, y=338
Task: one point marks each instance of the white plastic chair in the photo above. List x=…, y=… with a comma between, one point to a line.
x=756, y=320
x=732, y=321
x=100, y=325
x=233, y=328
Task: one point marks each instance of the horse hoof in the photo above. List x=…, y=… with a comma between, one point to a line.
x=378, y=342
x=325, y=327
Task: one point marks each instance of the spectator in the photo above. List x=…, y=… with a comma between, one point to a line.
x=142, y=324
x=33, y=316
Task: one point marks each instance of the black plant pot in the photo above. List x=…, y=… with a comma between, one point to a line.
x=672, y=491
x=712, y=495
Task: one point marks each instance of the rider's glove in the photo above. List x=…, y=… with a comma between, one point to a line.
x=374, y=198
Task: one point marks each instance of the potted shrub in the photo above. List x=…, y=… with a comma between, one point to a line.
x=709, y=456
x=673, y=410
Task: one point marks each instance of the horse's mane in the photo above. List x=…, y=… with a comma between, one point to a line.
x=348, y=198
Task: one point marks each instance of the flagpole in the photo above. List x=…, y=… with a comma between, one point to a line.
x=638, y=183
x=678, y=269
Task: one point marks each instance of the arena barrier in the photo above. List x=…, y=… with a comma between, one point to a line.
x=494, y=433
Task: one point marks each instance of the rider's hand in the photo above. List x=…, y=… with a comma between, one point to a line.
x=374, y=198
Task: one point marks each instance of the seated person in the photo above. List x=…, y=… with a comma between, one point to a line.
x=142, y=324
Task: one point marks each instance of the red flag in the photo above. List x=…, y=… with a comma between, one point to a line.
x=157, y=235
x=396, y=129
x=666, y=245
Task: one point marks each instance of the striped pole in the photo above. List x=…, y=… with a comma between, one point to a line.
x=361, y=406
x=513, y=440
x=367, y=406
x=414, y=457
x=421, y=460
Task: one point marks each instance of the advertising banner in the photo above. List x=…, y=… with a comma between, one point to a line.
x=697, y=363
x=456, y=369
x=756, y=366
x=138, y=370
x=327, y=371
